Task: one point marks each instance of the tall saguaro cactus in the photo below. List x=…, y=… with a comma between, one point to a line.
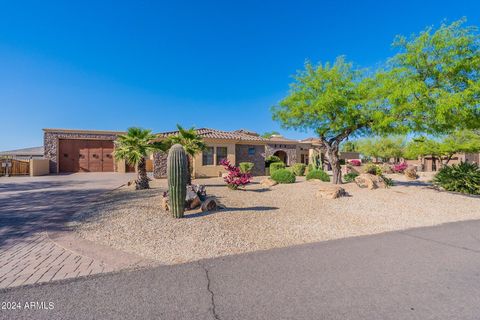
x=177, y=179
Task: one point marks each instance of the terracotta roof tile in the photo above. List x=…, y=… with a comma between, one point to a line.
x=219, y=134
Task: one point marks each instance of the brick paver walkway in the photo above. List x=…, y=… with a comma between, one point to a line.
x=38, y=259
x=32, y=207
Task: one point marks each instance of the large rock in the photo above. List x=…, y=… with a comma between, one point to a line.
x=269, y=182
x=331, y=192
x=370, y=181
x=211, y=204
x=411, y=173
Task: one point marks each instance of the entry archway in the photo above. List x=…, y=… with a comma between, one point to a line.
x=282, y=155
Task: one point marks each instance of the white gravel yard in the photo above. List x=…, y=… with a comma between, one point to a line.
x=261, y=218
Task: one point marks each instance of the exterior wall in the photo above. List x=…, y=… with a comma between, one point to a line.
x=258, y=158
x=349, y=155
x=289, y=149
x=39, y=167
x=203, y=171
x=303, y=149
x=51, y=137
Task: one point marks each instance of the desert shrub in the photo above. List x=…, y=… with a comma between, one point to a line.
x=342, y=162
x=318, y=174
x=400, y=168
x=276, y=166
x=271, y=159
x=350, y=177
x=235, y=178
x=463, y=177
x=299, y=169
x=283, y=176
x=246, y=167
x=373, y=169
x=355, y=162
x=388, y=182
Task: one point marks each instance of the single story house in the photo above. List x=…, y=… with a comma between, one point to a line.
x=23, y=154
x=92, y=151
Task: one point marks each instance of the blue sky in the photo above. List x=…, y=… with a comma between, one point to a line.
x=222, y=64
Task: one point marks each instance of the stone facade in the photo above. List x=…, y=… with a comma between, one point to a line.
x=160, y=165
x=289, y=149
x=50, y=142
x=244, y=153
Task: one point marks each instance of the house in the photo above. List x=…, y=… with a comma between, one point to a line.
x=236, y=146
x=92, y=151
x=429, y=163
x=23, y=154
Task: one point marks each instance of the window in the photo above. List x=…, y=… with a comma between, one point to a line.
x=221, y=154
x=207, y=156
x=251, y=151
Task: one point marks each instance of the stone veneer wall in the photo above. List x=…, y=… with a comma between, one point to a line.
x=160, y=164
x=258, y=159
x=50, y=143
x=289, y=149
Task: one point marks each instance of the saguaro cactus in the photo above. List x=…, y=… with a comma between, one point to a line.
x=177, y=179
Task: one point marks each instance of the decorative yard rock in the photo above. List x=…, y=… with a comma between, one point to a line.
x=211, y=204
x=269, y=182
x=165, y=205
x=331, y=192
x=411, y=173
x=370, y=181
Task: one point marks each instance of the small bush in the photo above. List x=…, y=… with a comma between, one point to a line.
x=246, y=167
x=283, y=176
x=299, y=169
x=388, y=182
x=464, y=178
x=373, y=169
x=355, y=162
x=271, y=159
x=350, y=177
x=342, y=162
x=276, y=166
x=318, y=174
x=400, y=168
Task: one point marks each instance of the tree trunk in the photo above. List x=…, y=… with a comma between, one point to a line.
x=142, y=180
x=334, y=159
x=448, y=159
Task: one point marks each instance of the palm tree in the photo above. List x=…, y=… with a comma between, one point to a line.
x=134, y=147
x=191, y=142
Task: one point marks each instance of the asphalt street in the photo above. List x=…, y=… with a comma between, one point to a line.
x=426, y=273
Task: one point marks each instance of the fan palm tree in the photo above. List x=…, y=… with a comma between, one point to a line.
x=191, y=142
x=134, y=147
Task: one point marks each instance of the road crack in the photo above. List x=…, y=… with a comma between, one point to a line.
x=212, y=294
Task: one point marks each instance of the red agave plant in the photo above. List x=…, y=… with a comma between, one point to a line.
x=235, y=177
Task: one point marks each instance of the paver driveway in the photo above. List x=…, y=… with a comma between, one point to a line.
x=32, y=208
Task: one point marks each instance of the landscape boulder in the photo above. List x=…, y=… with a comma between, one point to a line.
x=370, y=181
x=331, y=192
x=269, y=182
x=211, y=204
x=411, y=173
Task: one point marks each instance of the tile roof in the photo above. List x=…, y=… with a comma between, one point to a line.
x=35, y=151
x=219, y=134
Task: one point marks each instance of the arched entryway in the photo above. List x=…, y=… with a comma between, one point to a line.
x=282, y=155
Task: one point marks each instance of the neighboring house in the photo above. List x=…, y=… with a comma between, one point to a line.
x=24, y=154
x=429, y=163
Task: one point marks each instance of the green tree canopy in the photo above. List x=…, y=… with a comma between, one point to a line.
x=433, y=83
x=335, y=101
x=269, y=134
x=382, y=147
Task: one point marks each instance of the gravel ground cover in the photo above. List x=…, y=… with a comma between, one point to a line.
x=261, y=218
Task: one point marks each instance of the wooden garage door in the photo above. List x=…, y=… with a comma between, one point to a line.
x=85, y=155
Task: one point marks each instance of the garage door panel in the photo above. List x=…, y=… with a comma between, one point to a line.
x=107, y=156
x=82, y=155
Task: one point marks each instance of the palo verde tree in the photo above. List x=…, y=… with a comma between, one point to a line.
x=433, y=82
x=335, y=101
x=134, y=147
x=381, y=147
x=444, y=149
